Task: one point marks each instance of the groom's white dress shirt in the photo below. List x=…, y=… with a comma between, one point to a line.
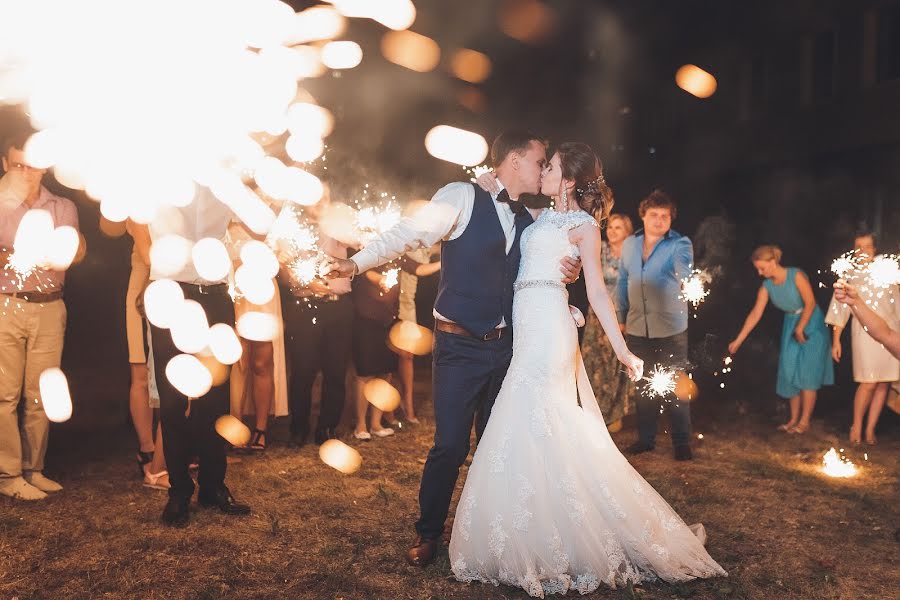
x=444, y=218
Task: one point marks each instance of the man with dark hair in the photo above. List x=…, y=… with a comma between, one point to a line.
x=653, y=314
x=32, y=327
x=480, y=234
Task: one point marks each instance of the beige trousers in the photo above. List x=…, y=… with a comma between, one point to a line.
x=31, y=340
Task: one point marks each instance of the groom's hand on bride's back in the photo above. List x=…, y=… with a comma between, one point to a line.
x=570, y=268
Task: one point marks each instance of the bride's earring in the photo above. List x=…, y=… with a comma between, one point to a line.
x=564, y=201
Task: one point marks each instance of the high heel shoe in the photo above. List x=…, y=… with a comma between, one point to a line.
x=144, y=459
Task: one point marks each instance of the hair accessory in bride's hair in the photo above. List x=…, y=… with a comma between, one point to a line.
x=593, y=185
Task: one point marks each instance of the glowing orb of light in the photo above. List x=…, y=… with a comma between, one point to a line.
x=470, y=65
x=224, y=344
x=696, y=81
x=169, y=254
x=211, y=259
x=306, y=118
x=456, y=145
x=189, y=327
x=693, y=287
x=316, y=23
x=253, y=285
x=341, y=55
x=55, y=396
x=338, y=221
x=835, y=465
x=42, y=149
x=381, y=394
x=259, y=257
x=62, y=247
x=233, y=430
x=391, y=278
x=218, y=371
x=338, y=455
x=188, y=375
x=685, y=388
x=162, y=300
x=411, y=337
x=411, y=50
x=257, y=326
x=304, y=187
x=304, y=148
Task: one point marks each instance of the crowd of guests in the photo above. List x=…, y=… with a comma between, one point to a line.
x=329, y=325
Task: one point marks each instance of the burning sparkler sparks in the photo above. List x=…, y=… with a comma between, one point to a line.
x=391, y=278
x=693, y=287
x=660, y=382
x=884, y=271
x=837, y=465
x=848, y=264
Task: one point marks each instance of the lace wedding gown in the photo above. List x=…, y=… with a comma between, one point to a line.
x=550, y=504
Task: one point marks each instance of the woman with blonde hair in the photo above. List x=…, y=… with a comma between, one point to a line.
x=608, y=379
x=804, y=363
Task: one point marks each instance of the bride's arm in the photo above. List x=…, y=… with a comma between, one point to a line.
x=587, y=237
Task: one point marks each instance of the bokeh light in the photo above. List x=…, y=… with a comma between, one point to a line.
x=696, y=81
x=338, y=455
x=470, y=65
x=55, y=396
x=233, y=430
x=188, y=375
x=381, y=394
x=411, y=50
x=341, y=55
x=456, y=145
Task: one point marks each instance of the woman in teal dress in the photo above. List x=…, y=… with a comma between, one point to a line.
x=610, y=382
x=804, y=364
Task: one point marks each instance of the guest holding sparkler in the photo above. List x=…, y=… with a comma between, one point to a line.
x=874, y=324
x=804, y=363
x=259, y=379
x=142, y=404
x=318, y=319
x=654, y=314
x=376, y=298
x=408, y=285
x=874, y=368
x=609, y=381
x=32, y=327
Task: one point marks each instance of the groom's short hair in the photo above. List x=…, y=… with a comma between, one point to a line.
x=512, y=140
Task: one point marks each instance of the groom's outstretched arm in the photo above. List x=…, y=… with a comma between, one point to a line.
x=443, y=218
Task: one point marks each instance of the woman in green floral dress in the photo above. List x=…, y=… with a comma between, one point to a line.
x=610, y=382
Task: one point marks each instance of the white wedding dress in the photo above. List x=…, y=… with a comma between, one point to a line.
x=550, y=504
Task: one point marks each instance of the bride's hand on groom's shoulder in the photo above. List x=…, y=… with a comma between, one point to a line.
x=488, y=182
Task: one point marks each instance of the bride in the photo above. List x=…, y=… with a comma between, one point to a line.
x=550, y=504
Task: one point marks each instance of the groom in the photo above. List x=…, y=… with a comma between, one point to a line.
x=480, y=255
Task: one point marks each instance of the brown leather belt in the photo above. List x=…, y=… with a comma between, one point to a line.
x=447, y=327
x=37, y=297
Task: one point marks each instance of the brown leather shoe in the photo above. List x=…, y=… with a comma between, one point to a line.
x=422, y=551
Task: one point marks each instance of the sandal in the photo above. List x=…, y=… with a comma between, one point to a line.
x=798, y=429
x=144, y=459
x=786, y=427
x=871, y=440
x=151, y=480
x=856, y=435
x=257, y=441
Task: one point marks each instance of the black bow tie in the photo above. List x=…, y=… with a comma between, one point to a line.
x=516, y=206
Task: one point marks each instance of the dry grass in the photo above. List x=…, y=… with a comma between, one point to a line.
x=780, y=528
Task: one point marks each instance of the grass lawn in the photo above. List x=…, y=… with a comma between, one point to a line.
x=779, y=526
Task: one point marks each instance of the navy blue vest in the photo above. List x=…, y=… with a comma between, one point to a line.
x=477, y=274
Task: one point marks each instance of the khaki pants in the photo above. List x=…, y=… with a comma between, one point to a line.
x=31, y=340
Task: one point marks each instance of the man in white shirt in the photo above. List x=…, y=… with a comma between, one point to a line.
x=479, y=233
x=188, y=427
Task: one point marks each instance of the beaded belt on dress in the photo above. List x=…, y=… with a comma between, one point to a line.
x=529, y=283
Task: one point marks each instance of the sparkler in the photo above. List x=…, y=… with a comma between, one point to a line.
x=391, y=278
x=693, y=287
x=476, y=172
x=660, y=382
x=837, y=465
x=884, y=271
x=848, y=264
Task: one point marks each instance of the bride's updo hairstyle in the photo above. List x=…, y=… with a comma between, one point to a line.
x=767, y=253
x=579, y=164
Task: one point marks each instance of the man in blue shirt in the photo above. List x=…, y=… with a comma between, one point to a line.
x=654, y=260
